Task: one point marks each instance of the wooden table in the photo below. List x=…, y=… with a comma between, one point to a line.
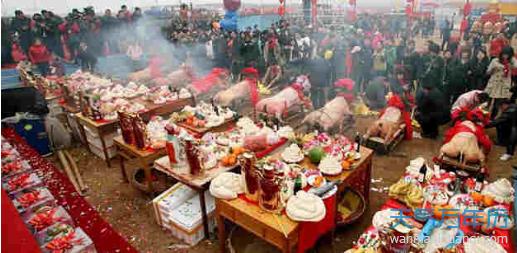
x=102, y=129
x=106, y=127
x=145, y=158
x=198, y=183
x=279, y=230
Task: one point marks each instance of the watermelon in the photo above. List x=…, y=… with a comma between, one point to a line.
x=316, y=154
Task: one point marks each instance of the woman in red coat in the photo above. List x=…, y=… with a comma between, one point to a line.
x=40, y=56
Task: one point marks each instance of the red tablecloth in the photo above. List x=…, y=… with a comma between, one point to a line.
x=16, y=236
x=310, y=232
x=105, y=238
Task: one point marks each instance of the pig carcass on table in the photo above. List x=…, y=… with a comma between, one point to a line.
x=215, y=80
x=331, y=117
x=177, y=79
x=240, y=90
x=290, y=96
x=467, y=140
x=392, y=119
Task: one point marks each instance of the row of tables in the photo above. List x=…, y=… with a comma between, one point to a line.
x=244, y=214
x=278, y=230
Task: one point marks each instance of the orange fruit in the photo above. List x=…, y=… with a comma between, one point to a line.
x=488, y=200
x=345, y=165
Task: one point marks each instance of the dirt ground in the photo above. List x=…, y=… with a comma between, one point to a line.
x=130, y=211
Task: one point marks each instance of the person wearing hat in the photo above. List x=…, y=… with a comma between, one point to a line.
x=506, y=125
x=432, y=110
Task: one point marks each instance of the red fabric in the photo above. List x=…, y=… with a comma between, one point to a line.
x=16, y=237
x=467, y=9
x=396, y=101
x=496, y=46
x=17, y=53
x=39, y=54
x=207, y=82
x=506, y=70
x=75, y=28
x=254, y=93
x=482, y=138
x=105, y=238
x=463, y=25
x=348, y=63
x=310, y=232
x=345, y=88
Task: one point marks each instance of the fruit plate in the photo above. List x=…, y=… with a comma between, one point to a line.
x=313, y=181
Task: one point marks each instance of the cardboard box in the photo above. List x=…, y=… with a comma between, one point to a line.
x=186, y=223
x=170, y=199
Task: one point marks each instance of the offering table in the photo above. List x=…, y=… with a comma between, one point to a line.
x=279, y=230
x=145, y=158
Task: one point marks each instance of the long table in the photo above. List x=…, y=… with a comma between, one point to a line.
x=279, y=230
x=104, y=128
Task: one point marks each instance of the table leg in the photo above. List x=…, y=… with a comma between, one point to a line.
x=83, y=135
x=148, y=177
x=123, y=168
x=105, y=149
x=287, y=246
x=203, y=212
x=221, y=232
x=368, y=180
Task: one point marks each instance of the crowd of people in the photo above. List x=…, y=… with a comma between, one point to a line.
x=78, y=37
x=379, y=53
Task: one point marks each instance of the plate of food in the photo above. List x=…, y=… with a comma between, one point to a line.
x=330, y=166
x=316, y=181
x=292, y=154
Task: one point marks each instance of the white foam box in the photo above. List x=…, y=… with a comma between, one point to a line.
x=186, y=222
x=93, y=138
x=97, y=150
x=170, y=199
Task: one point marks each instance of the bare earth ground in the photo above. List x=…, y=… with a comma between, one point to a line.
x=130, y=211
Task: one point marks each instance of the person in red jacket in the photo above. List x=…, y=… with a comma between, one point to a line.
x=40, y=56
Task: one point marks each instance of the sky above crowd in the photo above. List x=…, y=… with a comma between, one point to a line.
x=64, y=6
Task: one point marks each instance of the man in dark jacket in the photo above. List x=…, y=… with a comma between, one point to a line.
x=319, y=75
x=432, y=110
x=506, y=125
x=21, y=25
x=431, y=67
x=456, y=76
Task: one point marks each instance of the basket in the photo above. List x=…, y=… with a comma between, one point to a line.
x=351, y=206
x=160, y=181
